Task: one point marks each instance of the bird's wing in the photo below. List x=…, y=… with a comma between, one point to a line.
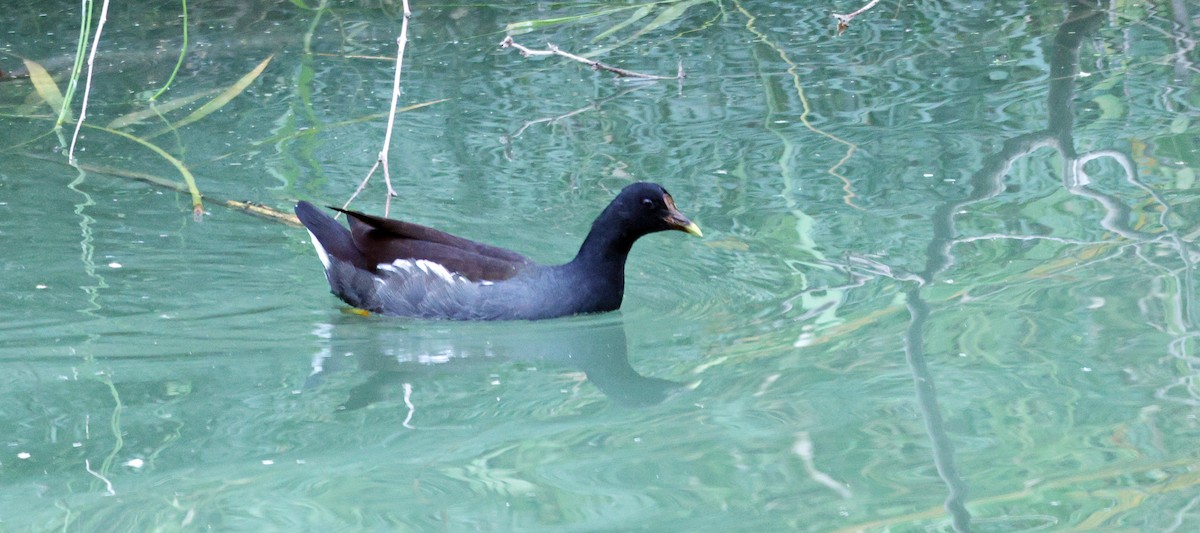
x=383, y=241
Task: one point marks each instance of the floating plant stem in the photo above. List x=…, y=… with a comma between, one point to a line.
x=182, y=52
x=188, y=178
x=220, y=100
x=85, y=26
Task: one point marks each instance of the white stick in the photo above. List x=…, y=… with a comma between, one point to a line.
x=843, y=21
x=87, y=87
x=387, y=137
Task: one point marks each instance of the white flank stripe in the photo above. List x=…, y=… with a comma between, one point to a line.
x=424, y=266
x=437, y=270
x=321, y=254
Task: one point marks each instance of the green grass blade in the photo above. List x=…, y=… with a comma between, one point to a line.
x=85, y=25
x=44, y=84
x=667, y=16
x=182, y=52
x=526, y=26
x=159, y=109
x=188, y=178
x=221, y=99
x=334, y=125
x=636, y=16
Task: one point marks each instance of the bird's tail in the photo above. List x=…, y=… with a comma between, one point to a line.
x=330, y=238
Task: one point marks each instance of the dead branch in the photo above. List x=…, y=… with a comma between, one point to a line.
x=382, y=160
x=843, y=21
x=552, y=50
x=506, y=140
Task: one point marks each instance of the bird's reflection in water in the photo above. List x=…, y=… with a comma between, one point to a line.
x=400, y=353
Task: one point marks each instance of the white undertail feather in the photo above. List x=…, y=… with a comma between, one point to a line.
x=431, y=268
x=321, y=253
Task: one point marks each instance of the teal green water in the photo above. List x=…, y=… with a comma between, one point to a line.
x=947, y=281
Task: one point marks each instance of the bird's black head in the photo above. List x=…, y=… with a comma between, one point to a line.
x=641, y=208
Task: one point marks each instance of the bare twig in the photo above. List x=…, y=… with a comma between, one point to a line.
x=506, y=140
x=382, y=160
x=87, y=87
x=843, y=21
x=552, y=50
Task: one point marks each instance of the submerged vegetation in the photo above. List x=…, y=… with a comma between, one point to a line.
x=906, y=188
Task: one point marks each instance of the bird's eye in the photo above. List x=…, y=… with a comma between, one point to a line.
x=647, y=203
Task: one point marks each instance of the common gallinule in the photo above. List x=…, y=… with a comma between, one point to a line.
x=399, y=268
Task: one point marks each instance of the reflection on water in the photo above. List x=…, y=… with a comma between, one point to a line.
x=948, y=280
x=986, y=183
x=397, y=357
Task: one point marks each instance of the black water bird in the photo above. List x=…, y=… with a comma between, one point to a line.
x=399, y=268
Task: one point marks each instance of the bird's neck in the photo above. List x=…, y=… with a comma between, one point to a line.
x=604, y=250
x=598, y=270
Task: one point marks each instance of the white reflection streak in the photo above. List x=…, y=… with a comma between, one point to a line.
x=322, y=331
x=1077, y=182
x=804, y=449
x=1182, y=514
x=1191, y=387
x=408, y=402
x=87, y=465
x=1003, y=236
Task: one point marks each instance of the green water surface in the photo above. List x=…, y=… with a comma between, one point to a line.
x=947, y=281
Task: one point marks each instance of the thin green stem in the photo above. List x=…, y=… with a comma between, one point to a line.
x=80, y=56
x=182, y=53
x=114, y=424
x=197, y=201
